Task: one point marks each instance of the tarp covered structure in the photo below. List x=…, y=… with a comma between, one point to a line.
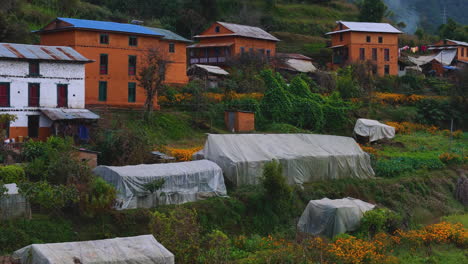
x=135, y=250
x=304, y=157
x=183, y=182
x=329, y=218
x=13, y=204
x=373, y=129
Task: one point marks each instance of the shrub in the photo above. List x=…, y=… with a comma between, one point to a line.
x=12, y=174
x=276, y=187
x=346, y=85
x=179, y=232
x=217, y=248
x=49, y=196
x=308, y=114
x=99, y=199
x=379, y=220
x=283, y=128
x=450, y=158
x=276, y=104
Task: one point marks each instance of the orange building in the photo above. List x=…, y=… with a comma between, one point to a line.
x=224, y=40
x=118, y=50
x=362, y=41
x=447, y=44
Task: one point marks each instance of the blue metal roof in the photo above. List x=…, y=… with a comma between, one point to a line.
x=109, y=26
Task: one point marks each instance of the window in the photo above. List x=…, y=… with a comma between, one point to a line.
x=217, y=29
x=462, y=52
x=362, y=53
x=242, y=50
x=268, y=53
x=33, y=126
x=104, y=38
x=387, y=54
x=131, y=92
x=33, y=68
x=34, y=93
x=374, y=54
x=132, y=60
x=103, y=63
x=380, y=39
x=132, y=41
x=402, y=67
x=341, y=36
x=62, y=95
x=4, y=95
x=368, y=39
x=102, y=91
x=387, y=69
x=171, y=47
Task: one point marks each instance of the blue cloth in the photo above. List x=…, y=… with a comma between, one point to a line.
x=83, y=132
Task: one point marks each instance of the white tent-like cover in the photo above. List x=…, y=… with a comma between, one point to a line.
x=373, y=129
x=13, y=204
x=183, y=182
x=128, y=250
x=329, y=218
x=304, y=157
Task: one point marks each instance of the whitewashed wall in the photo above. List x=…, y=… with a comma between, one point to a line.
x=51, y=73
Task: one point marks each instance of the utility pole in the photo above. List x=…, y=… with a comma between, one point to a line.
x=444, y=15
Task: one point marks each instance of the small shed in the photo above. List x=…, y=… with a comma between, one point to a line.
x=295, y=63
x=13, y=204
x=181, y=182
x=373, y=130
x=210, y=74
x=239, y=121
x=125, y=250
x=86, y=155
x=329, y=218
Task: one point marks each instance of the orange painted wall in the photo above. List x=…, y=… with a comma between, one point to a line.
x=15, y=132
x=357, y=40
x=459, y=49
x=118, y=51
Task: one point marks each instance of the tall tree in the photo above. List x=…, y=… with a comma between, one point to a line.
x=371, y=10
x=151, y=76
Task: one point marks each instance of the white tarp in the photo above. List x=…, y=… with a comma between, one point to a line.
x=328, y=218
x=373, y=129
x=301, y=65
x=305, y=157
x=13, y=204
x=132, y=250
x=444, y=57
x=183, y=182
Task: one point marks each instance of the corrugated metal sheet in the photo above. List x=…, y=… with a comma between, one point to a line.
x=296, y=56
x=68, y=114
x=211, y=69
x=38, y=52
x=169, y=35
x=244, y=31
x=462, y=43
x=366, y=27
x=209, y=45
x=109, y=26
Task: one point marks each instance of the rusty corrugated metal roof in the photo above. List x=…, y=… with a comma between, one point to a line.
x=243, y=31
x=296, y=56
x=68, y=114
x=40, y=52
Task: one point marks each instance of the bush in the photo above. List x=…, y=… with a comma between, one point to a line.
x=49, y=196
x=99, y=199
x=12, y=174
x=276, y=187
x=276, y=104
x=282, y=128
x=450, y=158
x=346, y=85
x=379, y=220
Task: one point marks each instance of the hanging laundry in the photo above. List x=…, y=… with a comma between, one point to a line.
x=423, y=48
x=414, y=49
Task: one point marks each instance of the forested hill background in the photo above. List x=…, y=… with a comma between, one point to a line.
x=300, y=24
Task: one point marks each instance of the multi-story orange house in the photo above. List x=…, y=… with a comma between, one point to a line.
x=224, y=40
x=118, y=50
x=361, y=41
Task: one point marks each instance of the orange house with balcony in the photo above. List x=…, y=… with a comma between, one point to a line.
x=222, y=41
x=119, y=51
x=354, y=42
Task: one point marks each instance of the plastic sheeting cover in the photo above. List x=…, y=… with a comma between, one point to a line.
x=305, y=157
x=13, y=204
x=135, y=250
x=329, y=218
x=183, y=182
x=373, y=129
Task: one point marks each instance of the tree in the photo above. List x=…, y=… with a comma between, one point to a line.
x=152, y=76
x=371, y=10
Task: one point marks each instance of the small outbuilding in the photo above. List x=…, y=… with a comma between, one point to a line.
x=304, y=157
x=329, y=218
x=13, y=204
x=135, y=250
x=295, y=63
x=239, y=121
x=210, y=74
x=373, y=130
x=181, y=182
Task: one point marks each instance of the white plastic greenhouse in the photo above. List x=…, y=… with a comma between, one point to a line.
x=13, y=204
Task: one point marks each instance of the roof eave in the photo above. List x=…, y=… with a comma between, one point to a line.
x=97, y=30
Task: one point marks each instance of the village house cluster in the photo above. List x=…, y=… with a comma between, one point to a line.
x=84, y=63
